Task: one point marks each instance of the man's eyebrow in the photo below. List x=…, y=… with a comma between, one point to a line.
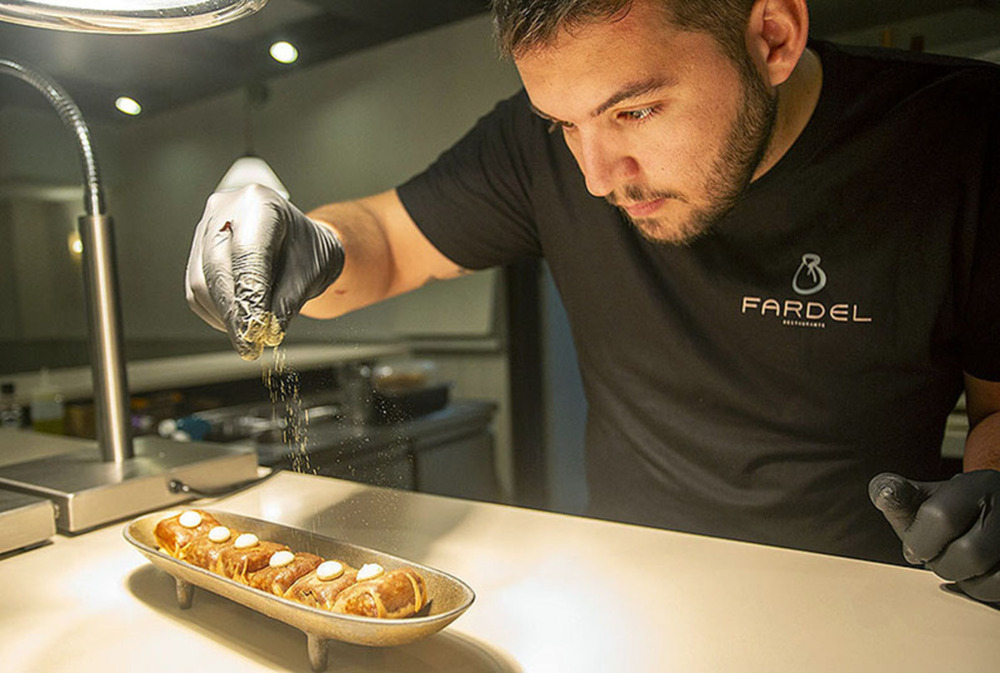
x=540, y=113
x=632, y=90
x=628, y=91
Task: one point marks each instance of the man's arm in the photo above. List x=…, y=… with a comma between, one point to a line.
x=953, y=527
x=385, y=254
x=256, y=260
x=982, y=404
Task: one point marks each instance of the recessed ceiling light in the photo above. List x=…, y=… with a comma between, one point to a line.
x=284, y=52
x=128, y=105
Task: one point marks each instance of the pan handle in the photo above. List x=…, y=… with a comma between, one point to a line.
x=178, y=486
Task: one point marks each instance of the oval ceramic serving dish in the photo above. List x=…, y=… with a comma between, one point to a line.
x=448, y=596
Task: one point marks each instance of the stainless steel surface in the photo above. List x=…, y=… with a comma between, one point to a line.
x=24, y=521
x=89, y=491
x=458, y=418
x=111, y=399
x=449, y=596
x=100, y=280
x=448, y=452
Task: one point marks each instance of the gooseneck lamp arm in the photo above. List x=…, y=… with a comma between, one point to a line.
x=73, y=119
x=111, y=403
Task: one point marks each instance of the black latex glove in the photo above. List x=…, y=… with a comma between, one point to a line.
x=952, y=527
x=256, y=259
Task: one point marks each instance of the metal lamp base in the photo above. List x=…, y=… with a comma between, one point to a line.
x=24, y=521
x=88, y=492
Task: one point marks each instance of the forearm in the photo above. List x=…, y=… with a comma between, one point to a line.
x=385, y=254
x=982, y=446
x=368, y=269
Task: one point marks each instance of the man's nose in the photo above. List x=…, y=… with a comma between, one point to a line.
x=604, y=163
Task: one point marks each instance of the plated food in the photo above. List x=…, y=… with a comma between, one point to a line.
x=198, y=538
x=346, y=573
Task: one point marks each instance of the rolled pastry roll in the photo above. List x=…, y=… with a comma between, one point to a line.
x=175, y=533
x=206, y=550
x=312, y=590
x=396, y=594
x=240, y=560
x=278, y=578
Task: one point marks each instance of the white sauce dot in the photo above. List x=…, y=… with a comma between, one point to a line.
x=370, y=571
x=328, y=570
x=281, y=558
x=190, y=519
x=245, y=541
x=219, y=534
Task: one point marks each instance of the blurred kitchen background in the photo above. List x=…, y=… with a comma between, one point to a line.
x=466, y=388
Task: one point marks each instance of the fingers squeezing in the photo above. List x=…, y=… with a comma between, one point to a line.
x=259, y=331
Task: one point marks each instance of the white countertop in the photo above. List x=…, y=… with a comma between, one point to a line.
x=554, y=594
x=201, y=369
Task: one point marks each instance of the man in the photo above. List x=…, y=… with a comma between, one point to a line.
x=777, y=262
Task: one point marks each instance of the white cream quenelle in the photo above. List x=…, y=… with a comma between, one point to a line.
x=246, y=540
x=370, y=571
x=329, y=570
x=190, y=519
x=280, y=559
x=219, y=534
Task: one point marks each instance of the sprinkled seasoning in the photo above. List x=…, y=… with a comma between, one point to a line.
x=282, y=383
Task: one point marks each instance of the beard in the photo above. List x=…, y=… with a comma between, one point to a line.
x=729, y=176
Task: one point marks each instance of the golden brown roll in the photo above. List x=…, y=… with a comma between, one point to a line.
x=278, y=578
x=239, y=561
x=175, y=533
x=196, y=537
x=315, y=592
x=396, y=594
x=205, y=550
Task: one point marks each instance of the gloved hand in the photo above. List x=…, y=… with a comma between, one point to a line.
x=952, y=527
x=255, y=260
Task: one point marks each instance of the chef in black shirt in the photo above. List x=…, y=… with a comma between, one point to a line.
x=778, y=258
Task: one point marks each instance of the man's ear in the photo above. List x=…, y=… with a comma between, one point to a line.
x=777, y=36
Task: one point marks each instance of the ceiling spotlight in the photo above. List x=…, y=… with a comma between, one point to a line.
x=284, y=52
x=128, y=105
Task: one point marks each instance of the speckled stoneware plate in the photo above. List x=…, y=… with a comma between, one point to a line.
x=448, y=596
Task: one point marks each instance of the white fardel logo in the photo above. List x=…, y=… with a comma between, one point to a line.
x=809, y=278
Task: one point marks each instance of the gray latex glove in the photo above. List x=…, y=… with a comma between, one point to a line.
x=255, y=260
x=952, y=527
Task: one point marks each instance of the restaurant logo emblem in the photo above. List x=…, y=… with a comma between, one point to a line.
x=808, y=279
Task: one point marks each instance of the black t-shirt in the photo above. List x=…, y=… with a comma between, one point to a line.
x=749, y=385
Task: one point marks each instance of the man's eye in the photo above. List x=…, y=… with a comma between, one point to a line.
x=559, y=126
x=639, y=115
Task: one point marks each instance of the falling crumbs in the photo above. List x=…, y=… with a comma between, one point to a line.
x=282, y=383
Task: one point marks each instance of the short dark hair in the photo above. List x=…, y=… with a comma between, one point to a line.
x=522, y=25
